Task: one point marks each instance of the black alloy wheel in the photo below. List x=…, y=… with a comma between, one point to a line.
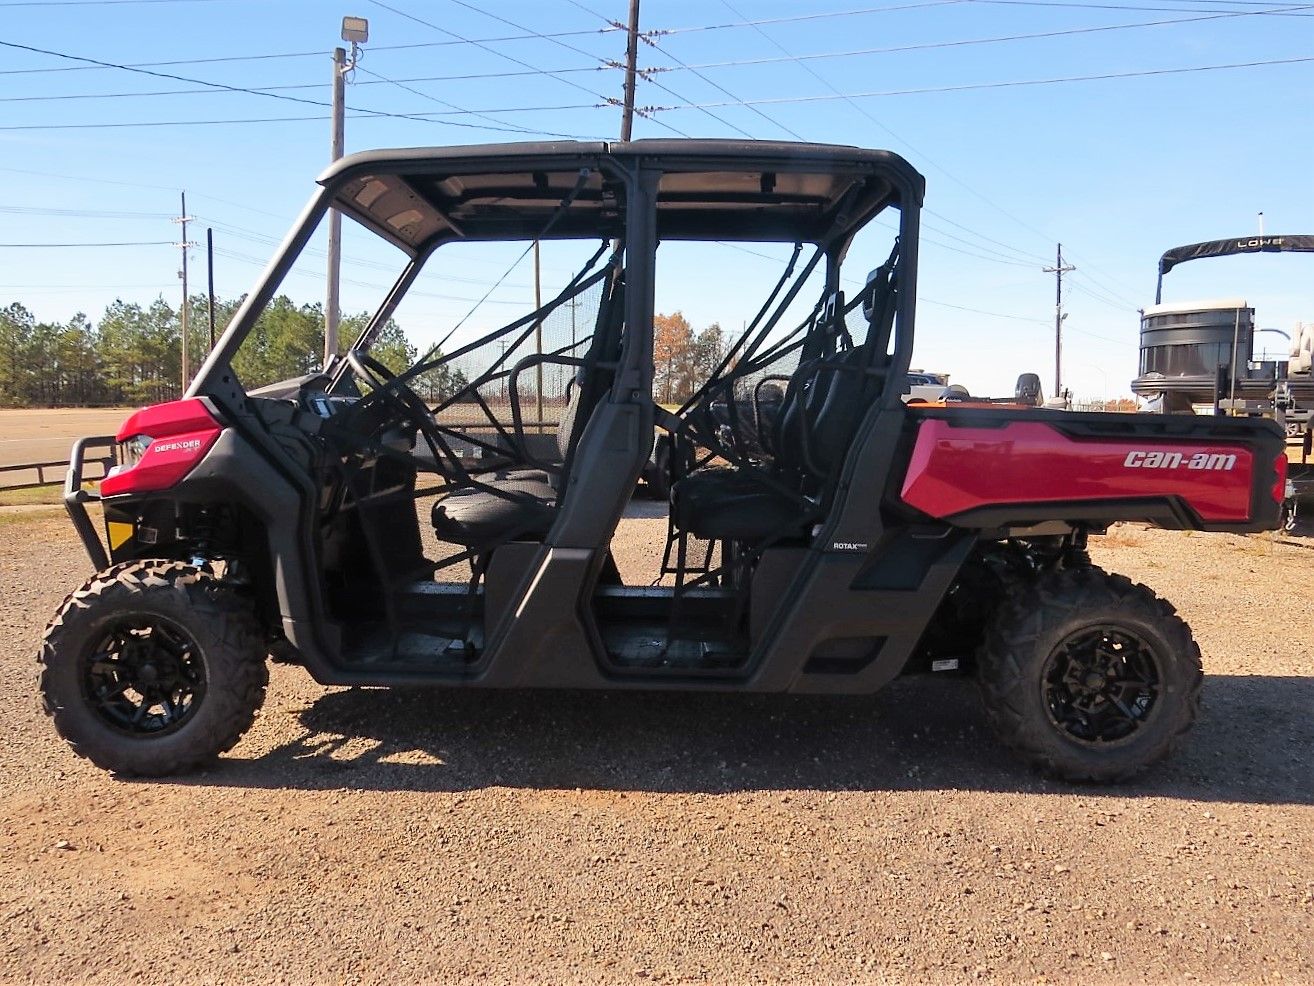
x=145, y=677
x=1101, y=685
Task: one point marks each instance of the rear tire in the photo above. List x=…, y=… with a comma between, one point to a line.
x=153, y=668
x=1088, y=676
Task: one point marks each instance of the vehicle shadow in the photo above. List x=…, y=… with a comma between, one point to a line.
x=1254, y=743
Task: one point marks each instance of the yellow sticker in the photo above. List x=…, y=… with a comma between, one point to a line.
x=119, y=533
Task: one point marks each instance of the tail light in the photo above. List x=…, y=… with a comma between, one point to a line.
x=160, y=445
x=1280, y=482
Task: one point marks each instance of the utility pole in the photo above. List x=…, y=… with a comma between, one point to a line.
x=183, y=220
x=357, y=31
x=631, y=58
x=334, y=217
x=1058, y=270
x=538, y=335
x=209, y=277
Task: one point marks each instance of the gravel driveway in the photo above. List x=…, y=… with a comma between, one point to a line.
x=372, y=836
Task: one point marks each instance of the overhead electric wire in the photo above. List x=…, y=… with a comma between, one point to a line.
x=1017, y=251
x=982, y=311
x=265, y=239
x=1012, y=83
x=94, y=3
x=135, y=243
x=1124, y=6
x=222, y=86
x=647, y=76
x=803, y=17
x=261, y=262
x=1083, y=274
x=300, y=54
x=511, y=58
x=127, y=125
x=968, y=42
x=569, y=47
x=879, y=123
x=497, y=124
x=37, y=210
x=1086, y=289
x=679, y=66
x=291, y=87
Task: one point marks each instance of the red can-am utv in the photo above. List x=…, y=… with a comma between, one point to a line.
x=452, y=524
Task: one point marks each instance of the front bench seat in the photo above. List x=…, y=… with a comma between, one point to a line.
x=823, y=405
x=727, y=504
x=522, y=509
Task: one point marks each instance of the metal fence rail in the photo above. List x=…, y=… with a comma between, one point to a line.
x=42, y=471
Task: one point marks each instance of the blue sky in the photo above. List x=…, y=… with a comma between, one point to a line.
x=1119, y=169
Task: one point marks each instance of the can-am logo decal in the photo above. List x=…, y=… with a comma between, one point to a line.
x=1209, y=461
x=184, y=445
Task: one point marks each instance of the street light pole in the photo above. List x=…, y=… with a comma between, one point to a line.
x=357, y=31
x=335, y=217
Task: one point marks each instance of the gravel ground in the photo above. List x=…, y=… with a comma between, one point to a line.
x=371, y=836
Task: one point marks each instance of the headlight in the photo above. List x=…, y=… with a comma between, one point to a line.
x=130, y=451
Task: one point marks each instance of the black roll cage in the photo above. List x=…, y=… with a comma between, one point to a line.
x=763, y=214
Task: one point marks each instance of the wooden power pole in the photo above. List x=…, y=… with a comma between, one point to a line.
x=1058, y=270
x=183, y=220
x=631, y=60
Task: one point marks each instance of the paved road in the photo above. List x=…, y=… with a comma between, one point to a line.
x=45, y=434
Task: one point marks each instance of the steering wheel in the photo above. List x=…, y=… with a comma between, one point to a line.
x=387, y=388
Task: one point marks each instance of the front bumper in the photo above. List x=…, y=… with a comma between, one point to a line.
x=76, y=498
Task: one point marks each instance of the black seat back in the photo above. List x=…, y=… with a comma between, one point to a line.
x=594, y=378
x=830, y=393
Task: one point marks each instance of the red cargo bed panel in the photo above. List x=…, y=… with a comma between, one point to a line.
x=957, y=469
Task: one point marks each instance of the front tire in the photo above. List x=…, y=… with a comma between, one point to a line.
x=1088, y=676
x=153, y=668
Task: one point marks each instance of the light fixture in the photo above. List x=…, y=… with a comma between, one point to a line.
x=356, y=30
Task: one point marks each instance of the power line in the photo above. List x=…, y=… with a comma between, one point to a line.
x=743, y=22
x=714, y=85
x=521, y=62
x=940, y=217
x=92, y=3
x=379, y=81
x=1102, y=299
x=870, y=116
x=137, y=243
x=227, y=88
x=923, y=298
x=981, y=311
x=297, y=54
x=1099, y=77
x=968, y=42
x=497, y=124
x=1277, y=12
x=647, y=75
x=34, y=210
x=261, y=262
x=162, y=123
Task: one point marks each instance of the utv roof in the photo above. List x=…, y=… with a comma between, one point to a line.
x=709, y=189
